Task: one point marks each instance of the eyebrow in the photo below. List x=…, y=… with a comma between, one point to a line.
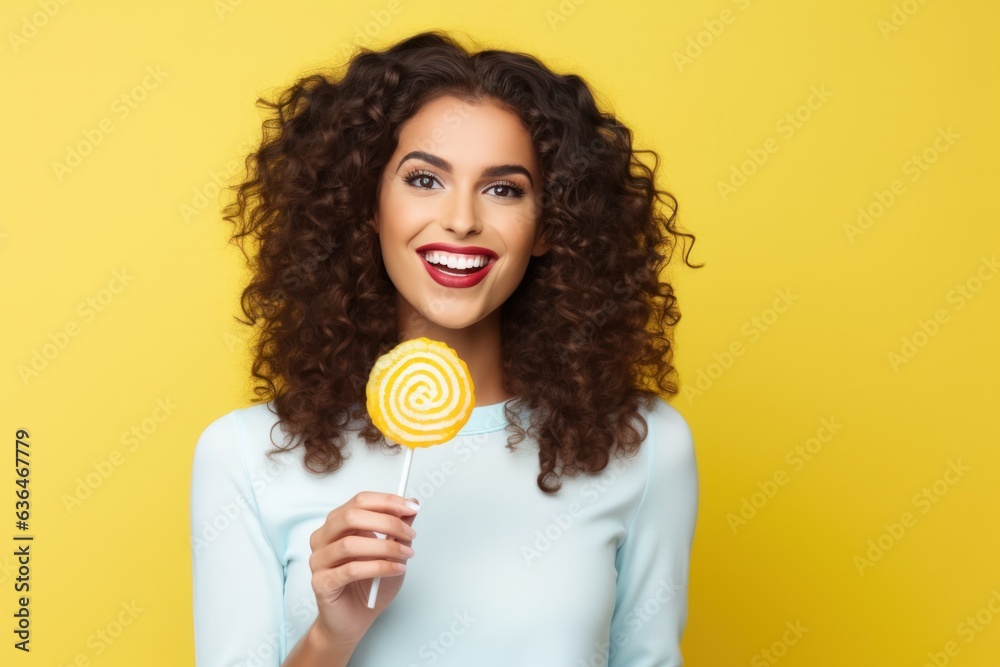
x=488, y=172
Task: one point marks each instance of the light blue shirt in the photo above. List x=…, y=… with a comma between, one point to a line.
x=504, y=574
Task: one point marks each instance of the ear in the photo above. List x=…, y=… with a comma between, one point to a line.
x=541, y=245
x=374, y=222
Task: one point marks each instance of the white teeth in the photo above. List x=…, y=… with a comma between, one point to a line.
x=456, y=261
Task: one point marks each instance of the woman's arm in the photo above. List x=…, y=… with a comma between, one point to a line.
x=652, y=563
x=238, y=580
x=315, y=650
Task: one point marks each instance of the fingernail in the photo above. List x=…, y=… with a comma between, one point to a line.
x=413, y=506
x=406, y=550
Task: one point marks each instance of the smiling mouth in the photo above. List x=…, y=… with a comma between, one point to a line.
x=466, y=270
x=458, y=270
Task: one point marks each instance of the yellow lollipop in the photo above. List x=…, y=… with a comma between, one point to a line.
x=420, y=393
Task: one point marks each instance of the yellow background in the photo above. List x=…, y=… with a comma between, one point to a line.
x=892, y=76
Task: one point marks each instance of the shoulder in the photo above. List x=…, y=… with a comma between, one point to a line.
x=225, y=439
x=671, y=481
x=669, y=437
x=671, y=464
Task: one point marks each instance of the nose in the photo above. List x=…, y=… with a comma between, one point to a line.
x=461, y=216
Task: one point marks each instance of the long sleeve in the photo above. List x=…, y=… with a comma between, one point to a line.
x=238, y=580
x=652, y=562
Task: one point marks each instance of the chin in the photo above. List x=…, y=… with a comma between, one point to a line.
x=447, y=313
x=451, y=319
x=455, y=323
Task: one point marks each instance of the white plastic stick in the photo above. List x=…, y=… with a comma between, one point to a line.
x=402, y=487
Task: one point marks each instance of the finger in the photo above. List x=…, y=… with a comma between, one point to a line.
x=353, y=519
x=328, y=583
x=384, y=502
x=408, y=520
x=356, y=516
x=356, y=547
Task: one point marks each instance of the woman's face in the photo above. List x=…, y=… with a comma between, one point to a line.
x=463, y=178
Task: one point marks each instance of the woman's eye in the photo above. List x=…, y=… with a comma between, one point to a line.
x=508, y=190
x=420, y=180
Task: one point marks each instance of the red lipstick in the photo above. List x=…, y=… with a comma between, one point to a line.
x=441, y=275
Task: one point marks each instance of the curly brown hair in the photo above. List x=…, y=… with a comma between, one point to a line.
x=586, y=336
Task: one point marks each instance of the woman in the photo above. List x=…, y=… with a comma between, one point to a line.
x=481, y=200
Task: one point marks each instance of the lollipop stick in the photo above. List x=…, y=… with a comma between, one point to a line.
x=402, y=487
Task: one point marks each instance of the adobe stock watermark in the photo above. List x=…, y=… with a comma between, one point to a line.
x=562, y=12
x=462, y=449
x=305, y=609
x=779, y=648
x=87, y=310
x=218, y=180
x=454, y=116
x=230, y=512
x=263, y=653
x=293, y=275
x=703, y=39
x=32, y=24
x=7, y=569
x=753, y=329
x=234, y=342
x=899, y=16
x=968, y=629
x=560, y=523
x=786, y=126
x=132, y=439
x=121, y=108
x=914, y=167
x=376, y=23
x=797, y=458
x=223, y=8
x=633, y=620
x=924, y=500
x=105, y=636
x=590, y=325
x=927, y=329
x=435, y=647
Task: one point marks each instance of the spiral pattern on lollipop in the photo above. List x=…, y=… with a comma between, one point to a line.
x=420, y=393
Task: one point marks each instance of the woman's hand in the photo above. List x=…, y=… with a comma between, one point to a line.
x=347, y=556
